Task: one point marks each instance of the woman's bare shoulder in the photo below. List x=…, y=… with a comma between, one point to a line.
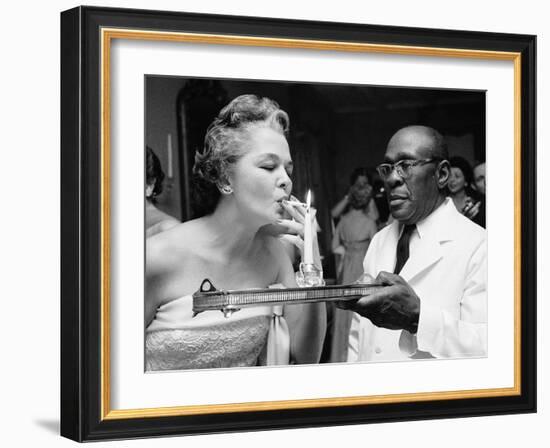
x=172, y=246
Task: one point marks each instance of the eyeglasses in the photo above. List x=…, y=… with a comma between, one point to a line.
x=403, y=168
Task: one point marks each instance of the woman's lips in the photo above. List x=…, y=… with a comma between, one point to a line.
x=279, y=207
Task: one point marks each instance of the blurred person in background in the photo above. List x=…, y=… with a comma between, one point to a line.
x=351, y=239
x=359, y=179
x=156, y=220
x=460, y=190
x=479, y=186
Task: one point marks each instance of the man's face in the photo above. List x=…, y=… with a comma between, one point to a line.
x=479, y=178
x=413, y=199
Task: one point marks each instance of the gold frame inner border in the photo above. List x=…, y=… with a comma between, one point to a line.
x=107, y=36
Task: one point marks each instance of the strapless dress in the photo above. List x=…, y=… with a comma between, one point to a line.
x=175, y=340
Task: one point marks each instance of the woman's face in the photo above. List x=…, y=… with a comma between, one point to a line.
x=361, y=182
x=360, y=193
x=261, y=177
x=457, y=181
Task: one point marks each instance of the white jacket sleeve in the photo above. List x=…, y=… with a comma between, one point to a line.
x=442, y=334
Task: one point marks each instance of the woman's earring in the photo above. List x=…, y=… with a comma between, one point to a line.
x=226, y=189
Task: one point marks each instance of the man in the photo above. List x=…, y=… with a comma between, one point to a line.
x=431, y=261
x=479, y=186
x=479, y=178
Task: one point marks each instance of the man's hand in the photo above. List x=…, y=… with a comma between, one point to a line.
x=395, y=306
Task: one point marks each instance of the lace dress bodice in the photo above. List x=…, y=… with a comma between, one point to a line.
x=176, y=340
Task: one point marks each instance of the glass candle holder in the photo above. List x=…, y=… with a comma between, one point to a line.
x=309, y=275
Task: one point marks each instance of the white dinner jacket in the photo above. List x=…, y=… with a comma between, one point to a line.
x=447, y=269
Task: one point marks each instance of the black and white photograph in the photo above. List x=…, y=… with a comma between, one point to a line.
x=296, y=223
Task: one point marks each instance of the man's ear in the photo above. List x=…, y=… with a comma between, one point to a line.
x=442, y=174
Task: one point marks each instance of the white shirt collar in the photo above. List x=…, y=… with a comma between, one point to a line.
x=432, y=224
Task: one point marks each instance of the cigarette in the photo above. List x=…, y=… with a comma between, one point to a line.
x=296, y=203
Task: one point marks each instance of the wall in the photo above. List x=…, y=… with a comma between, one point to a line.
x=30, y=228
x=161, y=121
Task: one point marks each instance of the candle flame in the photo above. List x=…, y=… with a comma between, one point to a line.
x=308, y=199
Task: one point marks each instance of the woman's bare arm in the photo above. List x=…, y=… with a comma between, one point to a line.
x=159, y=264
x=336, y=241
x=340, y=207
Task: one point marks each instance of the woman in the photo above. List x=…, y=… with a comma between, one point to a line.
x=354, y=232
x=359, y=179
x=459, y=187
x=156, y=220
x=242, y=182
x=351, y=240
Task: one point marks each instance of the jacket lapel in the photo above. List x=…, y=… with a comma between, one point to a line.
x=435, y=229
x=426, y=254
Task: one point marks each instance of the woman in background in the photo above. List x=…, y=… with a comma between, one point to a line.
x=460, y=189
x=351, y=240
x=479, y=185
x=354, y=231
x=359, y=179
x=156, y=220
x=241, y=187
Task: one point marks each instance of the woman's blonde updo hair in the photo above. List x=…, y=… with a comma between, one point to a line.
x=226, y=142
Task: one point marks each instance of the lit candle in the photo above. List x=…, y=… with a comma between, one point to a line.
x=308, y=236
x=169, y=151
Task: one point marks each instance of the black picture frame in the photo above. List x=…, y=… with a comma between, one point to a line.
x=84, y=401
